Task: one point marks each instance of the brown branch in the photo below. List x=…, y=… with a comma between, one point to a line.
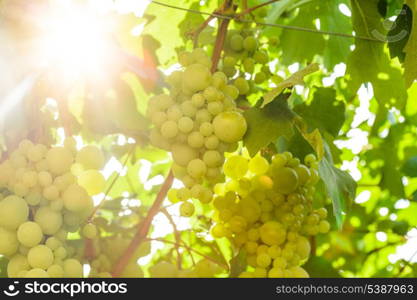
x=251, y=9
x=143, y=227
x=221, y=37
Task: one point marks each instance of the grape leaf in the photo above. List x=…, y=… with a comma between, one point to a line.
x=266, y=124
x=301, y=46
x=340, y=186
x=324, y=112
x=410, y=167
x=400, y=33
x=319, y=267
x=294, y=79
x=369, y=62
x=410, y=68
x=314, y=137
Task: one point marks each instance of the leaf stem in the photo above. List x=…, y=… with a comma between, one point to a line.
x=251, y=9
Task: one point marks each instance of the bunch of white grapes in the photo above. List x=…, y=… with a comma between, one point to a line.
x=266, y=210
x=197, y=122
x=246, y=61
x=45, y=193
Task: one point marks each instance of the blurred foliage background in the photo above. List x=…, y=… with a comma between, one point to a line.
x=362, y=101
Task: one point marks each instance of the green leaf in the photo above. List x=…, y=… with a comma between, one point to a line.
x=319, y=267
x=369, y=62
x=340, y=186
x=237, y=264
x=410, y=67
x=294, y=79
x=324, y=112
x=400, y=33
x=266, y=125
x=410, y=167
x=301, y=46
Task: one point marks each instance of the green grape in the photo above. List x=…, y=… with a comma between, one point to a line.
x=90, y=157
x=159, y=118
x=29, y=234
x=165, y=101
x=36, y=273
x=53, y=243
x=215, y=108
x=49, y=220
x=229, y=71
x=72, y=268
x=40, y=257
x=263, y=260
x=196, y=168
x=261, y=57
x=183, y=154
x=51, y=193
x=237, y=224
x=211, y=142
x=303, y=174
x=258, y=165
x=298, y=272
x=174, y=113
x=235, y=167
x=286, y=180
x=260, y=77
x=55, y=271
x=250, y=43
x=242, y=85
x=324, y=226
x=249, y=65
x=229, y=62
x=187, y=209
x=303, y=247
x=185, y=58
x=8, y=242
x=196, y=78
x=17, y=264
x=218, y=231
x=30, y=179
x=76, y=198
x=203, y=115
x=185, y=124
x=92, y=181
x=272, y=233
x=232, y=91
x=36, y=153
x=169, y=129
x=89, y=231
x=195, y=139
x=13, y=212
x=206, y=129
x=229, y=126
x=198, y=100
x=236, y=42
x=188, y=108
x=219, y=80
x=212, y=158
x=59, y=160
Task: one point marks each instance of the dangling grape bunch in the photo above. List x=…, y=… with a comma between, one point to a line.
x=41, y=202
x=266, y=210
x=197, y=122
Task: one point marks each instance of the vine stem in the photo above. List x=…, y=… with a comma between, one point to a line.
x=251, y=9
x=221, y=37
x=143, y=227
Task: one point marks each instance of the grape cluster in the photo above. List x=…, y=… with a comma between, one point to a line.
x=197, y=122
x=245, y=58
x=42, y=201
x=266, y=210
